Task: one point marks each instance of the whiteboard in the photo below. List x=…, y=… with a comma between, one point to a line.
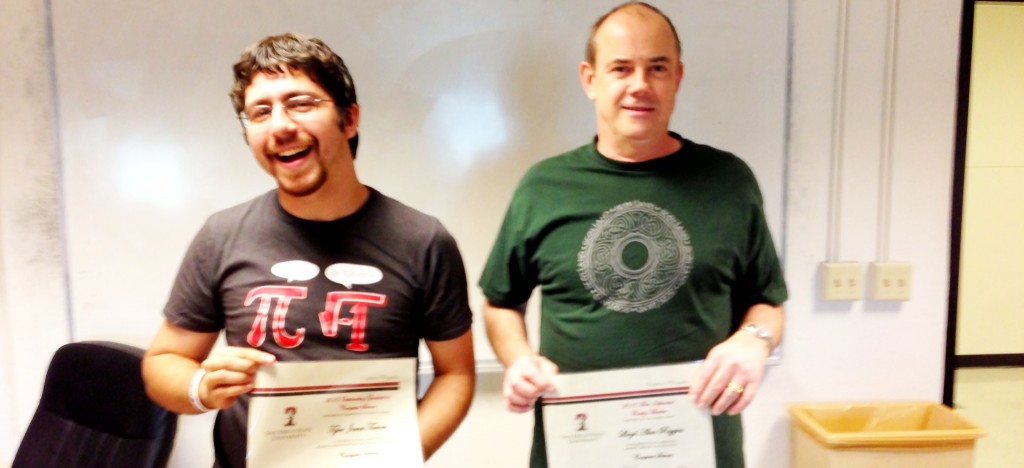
x=458, y=99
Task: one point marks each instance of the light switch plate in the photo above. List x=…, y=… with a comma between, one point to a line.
x=890, y=281
x=841, y=281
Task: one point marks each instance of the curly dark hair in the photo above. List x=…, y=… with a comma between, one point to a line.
x=311, y=56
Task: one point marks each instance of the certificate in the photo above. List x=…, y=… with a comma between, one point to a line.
x=352, y=413
x=639, y=417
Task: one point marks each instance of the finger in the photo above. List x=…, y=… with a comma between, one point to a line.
x=719, y=399
x=254, y=355
x=230, y=364
x=525, y=389
x=219, y=389
x=516, y=408
x=710, y=392
x=518, y=393
x=518, y=401
x=726, y=399
x=696, y=389
x=225, y=377
x=749, y=391
x=233, y=362
x=229, y=391
x=735, y=397
x=225, y=396
x=715, y=395
x=699, y=383
x=539, y=373
x=724, y=373
x=238, y=352
x=548, y=370
x=531, y=371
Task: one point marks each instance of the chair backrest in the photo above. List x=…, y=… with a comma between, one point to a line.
x=94, y=412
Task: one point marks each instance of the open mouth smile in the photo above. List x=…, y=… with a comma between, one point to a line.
x=293, y=154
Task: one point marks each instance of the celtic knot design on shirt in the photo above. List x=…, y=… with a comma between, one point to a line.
x=635, y=257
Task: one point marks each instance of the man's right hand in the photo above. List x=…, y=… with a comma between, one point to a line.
x=229, y=373
x=525, y=380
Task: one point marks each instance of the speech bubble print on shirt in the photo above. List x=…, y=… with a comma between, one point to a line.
x=295, y=270
x=348, y=274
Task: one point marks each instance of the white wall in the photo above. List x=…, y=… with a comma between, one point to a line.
x=147, y=134
x=33, y=291
x=862, y=350
x=865, y=350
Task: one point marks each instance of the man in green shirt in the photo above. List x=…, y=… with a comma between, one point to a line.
x=648, y=248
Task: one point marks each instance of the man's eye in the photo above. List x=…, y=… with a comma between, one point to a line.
x=304, y=104
x=258, y=113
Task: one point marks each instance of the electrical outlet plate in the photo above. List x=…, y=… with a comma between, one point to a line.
x=890, y=281
x=841, y=281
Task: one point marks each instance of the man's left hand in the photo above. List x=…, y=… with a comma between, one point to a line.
x=728, y=379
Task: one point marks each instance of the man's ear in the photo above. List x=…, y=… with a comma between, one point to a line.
x=586, y=72
x=350, y=121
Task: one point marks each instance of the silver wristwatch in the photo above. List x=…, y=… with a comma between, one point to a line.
x=760, y=332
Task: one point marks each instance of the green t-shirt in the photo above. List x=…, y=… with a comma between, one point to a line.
x=637, y=263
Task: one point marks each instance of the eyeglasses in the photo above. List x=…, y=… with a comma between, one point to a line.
x=297, y=108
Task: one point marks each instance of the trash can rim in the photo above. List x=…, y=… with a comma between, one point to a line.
x=965, y=434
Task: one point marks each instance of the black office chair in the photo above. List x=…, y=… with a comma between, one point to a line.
x=94, y=412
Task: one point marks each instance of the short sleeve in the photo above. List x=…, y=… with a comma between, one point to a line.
x=193, y=304
x=510, y=274
x=762, y=280
x=446, y=294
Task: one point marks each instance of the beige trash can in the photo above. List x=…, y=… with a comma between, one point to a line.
x=910, y=434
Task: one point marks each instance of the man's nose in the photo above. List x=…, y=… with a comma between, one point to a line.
x=280, y=119
x=640, y=81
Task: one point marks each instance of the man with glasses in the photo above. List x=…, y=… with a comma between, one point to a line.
x=261, y=271
x=648, y=248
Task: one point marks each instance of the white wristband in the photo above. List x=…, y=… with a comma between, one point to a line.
x=193, y=391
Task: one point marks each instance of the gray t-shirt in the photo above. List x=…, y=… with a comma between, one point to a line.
x=369, y=285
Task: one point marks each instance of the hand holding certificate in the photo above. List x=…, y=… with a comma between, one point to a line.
x=353, y=413
x=640, y=417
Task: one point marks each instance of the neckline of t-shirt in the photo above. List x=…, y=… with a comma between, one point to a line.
x=374, y=195
x=644, y=166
